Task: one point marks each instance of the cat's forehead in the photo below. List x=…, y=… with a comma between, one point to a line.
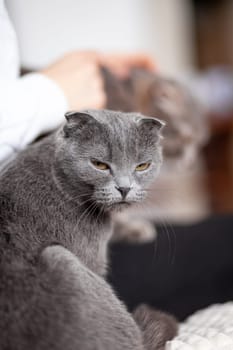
x=119, y=132
x=117, y=126
x=116, y=118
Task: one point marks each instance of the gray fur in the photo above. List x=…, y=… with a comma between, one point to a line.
x=55, y=217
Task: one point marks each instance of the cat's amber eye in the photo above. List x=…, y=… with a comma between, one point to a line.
x=100, y=165
x=142, y=166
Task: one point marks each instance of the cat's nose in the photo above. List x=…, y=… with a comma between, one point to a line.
x=123, y=191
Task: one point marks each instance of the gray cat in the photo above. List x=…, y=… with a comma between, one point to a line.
x=56, y=201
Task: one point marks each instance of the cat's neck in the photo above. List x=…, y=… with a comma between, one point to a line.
x=92, y=232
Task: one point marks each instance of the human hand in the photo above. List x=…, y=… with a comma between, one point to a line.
x=121, y=64
x=78, y=75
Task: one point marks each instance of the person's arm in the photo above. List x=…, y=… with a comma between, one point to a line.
x=29, y=106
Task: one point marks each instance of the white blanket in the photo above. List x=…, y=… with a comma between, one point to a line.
x=208, y=329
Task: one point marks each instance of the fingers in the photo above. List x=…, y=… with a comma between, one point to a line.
x=136, y=60
x=121, y=64
x=91, y=88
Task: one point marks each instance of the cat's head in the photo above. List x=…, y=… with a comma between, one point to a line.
x=186, y=128
x=108, y=158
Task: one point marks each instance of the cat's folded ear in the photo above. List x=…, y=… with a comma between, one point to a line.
x=150, y=130
x=76, y=121
x=153, y=125
x=152, y=122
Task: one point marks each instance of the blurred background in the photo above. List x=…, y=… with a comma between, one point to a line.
x=161, y=28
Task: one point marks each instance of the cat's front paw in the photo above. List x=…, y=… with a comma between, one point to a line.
x=157, y=327
x=133, y=230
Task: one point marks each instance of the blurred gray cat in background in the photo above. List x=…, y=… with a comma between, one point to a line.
x=185, y=134
x=56, y=202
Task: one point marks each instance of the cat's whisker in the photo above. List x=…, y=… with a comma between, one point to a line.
x=82, y=216
x=169, y=231
x=159, y=189
x=155, y=241
x=91, y=212
x=85, y=194
x=79, y=204
x=167, y=227
x=84, y=202
x=101, y=210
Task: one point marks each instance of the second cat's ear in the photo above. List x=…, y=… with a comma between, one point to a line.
x=76, y=121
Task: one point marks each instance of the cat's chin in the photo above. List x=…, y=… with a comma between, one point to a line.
x=119, y=206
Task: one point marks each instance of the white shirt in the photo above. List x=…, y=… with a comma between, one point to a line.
x=29, y=106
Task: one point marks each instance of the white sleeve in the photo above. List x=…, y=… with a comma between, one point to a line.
x=29, y=106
